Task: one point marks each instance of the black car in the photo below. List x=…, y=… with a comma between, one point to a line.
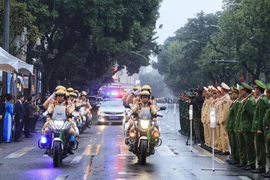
x=94, y=102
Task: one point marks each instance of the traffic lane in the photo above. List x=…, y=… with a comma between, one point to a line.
x=177, y=142
x=15, y=164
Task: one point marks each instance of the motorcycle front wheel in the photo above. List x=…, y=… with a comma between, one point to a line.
x=57, y=154
x=143, y=152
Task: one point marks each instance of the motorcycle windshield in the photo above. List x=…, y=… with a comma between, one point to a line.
x=145, y=113
x=59, y=113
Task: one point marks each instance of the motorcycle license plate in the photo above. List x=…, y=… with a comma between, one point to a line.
x=113, y=117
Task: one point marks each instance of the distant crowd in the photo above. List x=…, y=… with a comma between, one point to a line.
x=18, y=118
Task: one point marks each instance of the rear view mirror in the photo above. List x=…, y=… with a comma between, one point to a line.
x=162, y=108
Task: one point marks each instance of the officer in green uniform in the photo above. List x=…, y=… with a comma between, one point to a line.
x=245, y=124
x=239, y=136
x=257, y=126
x=266, y=126
x=234, y=94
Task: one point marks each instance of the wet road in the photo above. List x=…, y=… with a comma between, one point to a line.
x=102, y=154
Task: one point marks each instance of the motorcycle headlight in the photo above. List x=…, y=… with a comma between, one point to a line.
x=144, y=123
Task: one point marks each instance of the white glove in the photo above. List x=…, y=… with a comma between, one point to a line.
x=45, y=113
x=129, y=113
x=51, y=96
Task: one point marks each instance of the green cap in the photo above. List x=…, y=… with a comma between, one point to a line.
x=235, y=89
x=260, y=84
x=246, y=86
x=267, y=86
x=188, y=93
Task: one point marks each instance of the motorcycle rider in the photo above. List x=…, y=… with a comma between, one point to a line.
x=130, y=97
x=152, y=100
x=51, y=99
x=129, y=121
x=144, y=103
x=59, y=102
x=84, y=101
x=70, y=90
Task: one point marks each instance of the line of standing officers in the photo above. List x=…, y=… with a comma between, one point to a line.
x=243, y=120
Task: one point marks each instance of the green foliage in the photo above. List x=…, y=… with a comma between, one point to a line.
x=91, y=36
x=240, y=33
x=20, y=18
x=180, y=60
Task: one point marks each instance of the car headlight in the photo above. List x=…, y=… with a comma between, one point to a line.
x=100, y=112
x=144, y=123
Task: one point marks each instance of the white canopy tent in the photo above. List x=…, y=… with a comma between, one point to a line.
x=13, y=64
x=7, y=64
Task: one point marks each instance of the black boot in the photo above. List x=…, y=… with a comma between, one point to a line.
x=152, y=151
x=47, y=151
x=131, y=148
x=70, y=151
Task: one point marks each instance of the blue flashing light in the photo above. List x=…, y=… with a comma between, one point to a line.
x=43, y=140
x=113, y=93
x=108, y=93
x=72, y=138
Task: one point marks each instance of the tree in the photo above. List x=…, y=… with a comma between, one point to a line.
x=20, y=19
x=180, y=58
x=100, y=33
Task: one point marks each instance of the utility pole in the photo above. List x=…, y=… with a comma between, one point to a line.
x=6, y=40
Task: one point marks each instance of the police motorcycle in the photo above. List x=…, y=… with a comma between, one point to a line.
x=58, y=143
x=144, y=139
x=80, y=124
x=84, y=117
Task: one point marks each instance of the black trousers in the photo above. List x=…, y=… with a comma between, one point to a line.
x=27, y=125
x=18, y=129
x=1, y=129
x=33, y=121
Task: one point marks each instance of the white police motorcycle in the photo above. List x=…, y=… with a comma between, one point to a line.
x=58, y=143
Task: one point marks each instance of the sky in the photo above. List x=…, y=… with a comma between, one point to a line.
x=174, y=14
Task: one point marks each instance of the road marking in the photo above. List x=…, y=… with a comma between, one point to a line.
x=87, y=150
x=164, y=151
x=199, y=151
x=244, y=177
x=61, y=177
x=97, y=150
x=203, y=153
x=20, y=152
x=124, y=151
x=219, y=160
x=124, y=173
x=175, y=150
x=77, y=159
x=92, y=140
